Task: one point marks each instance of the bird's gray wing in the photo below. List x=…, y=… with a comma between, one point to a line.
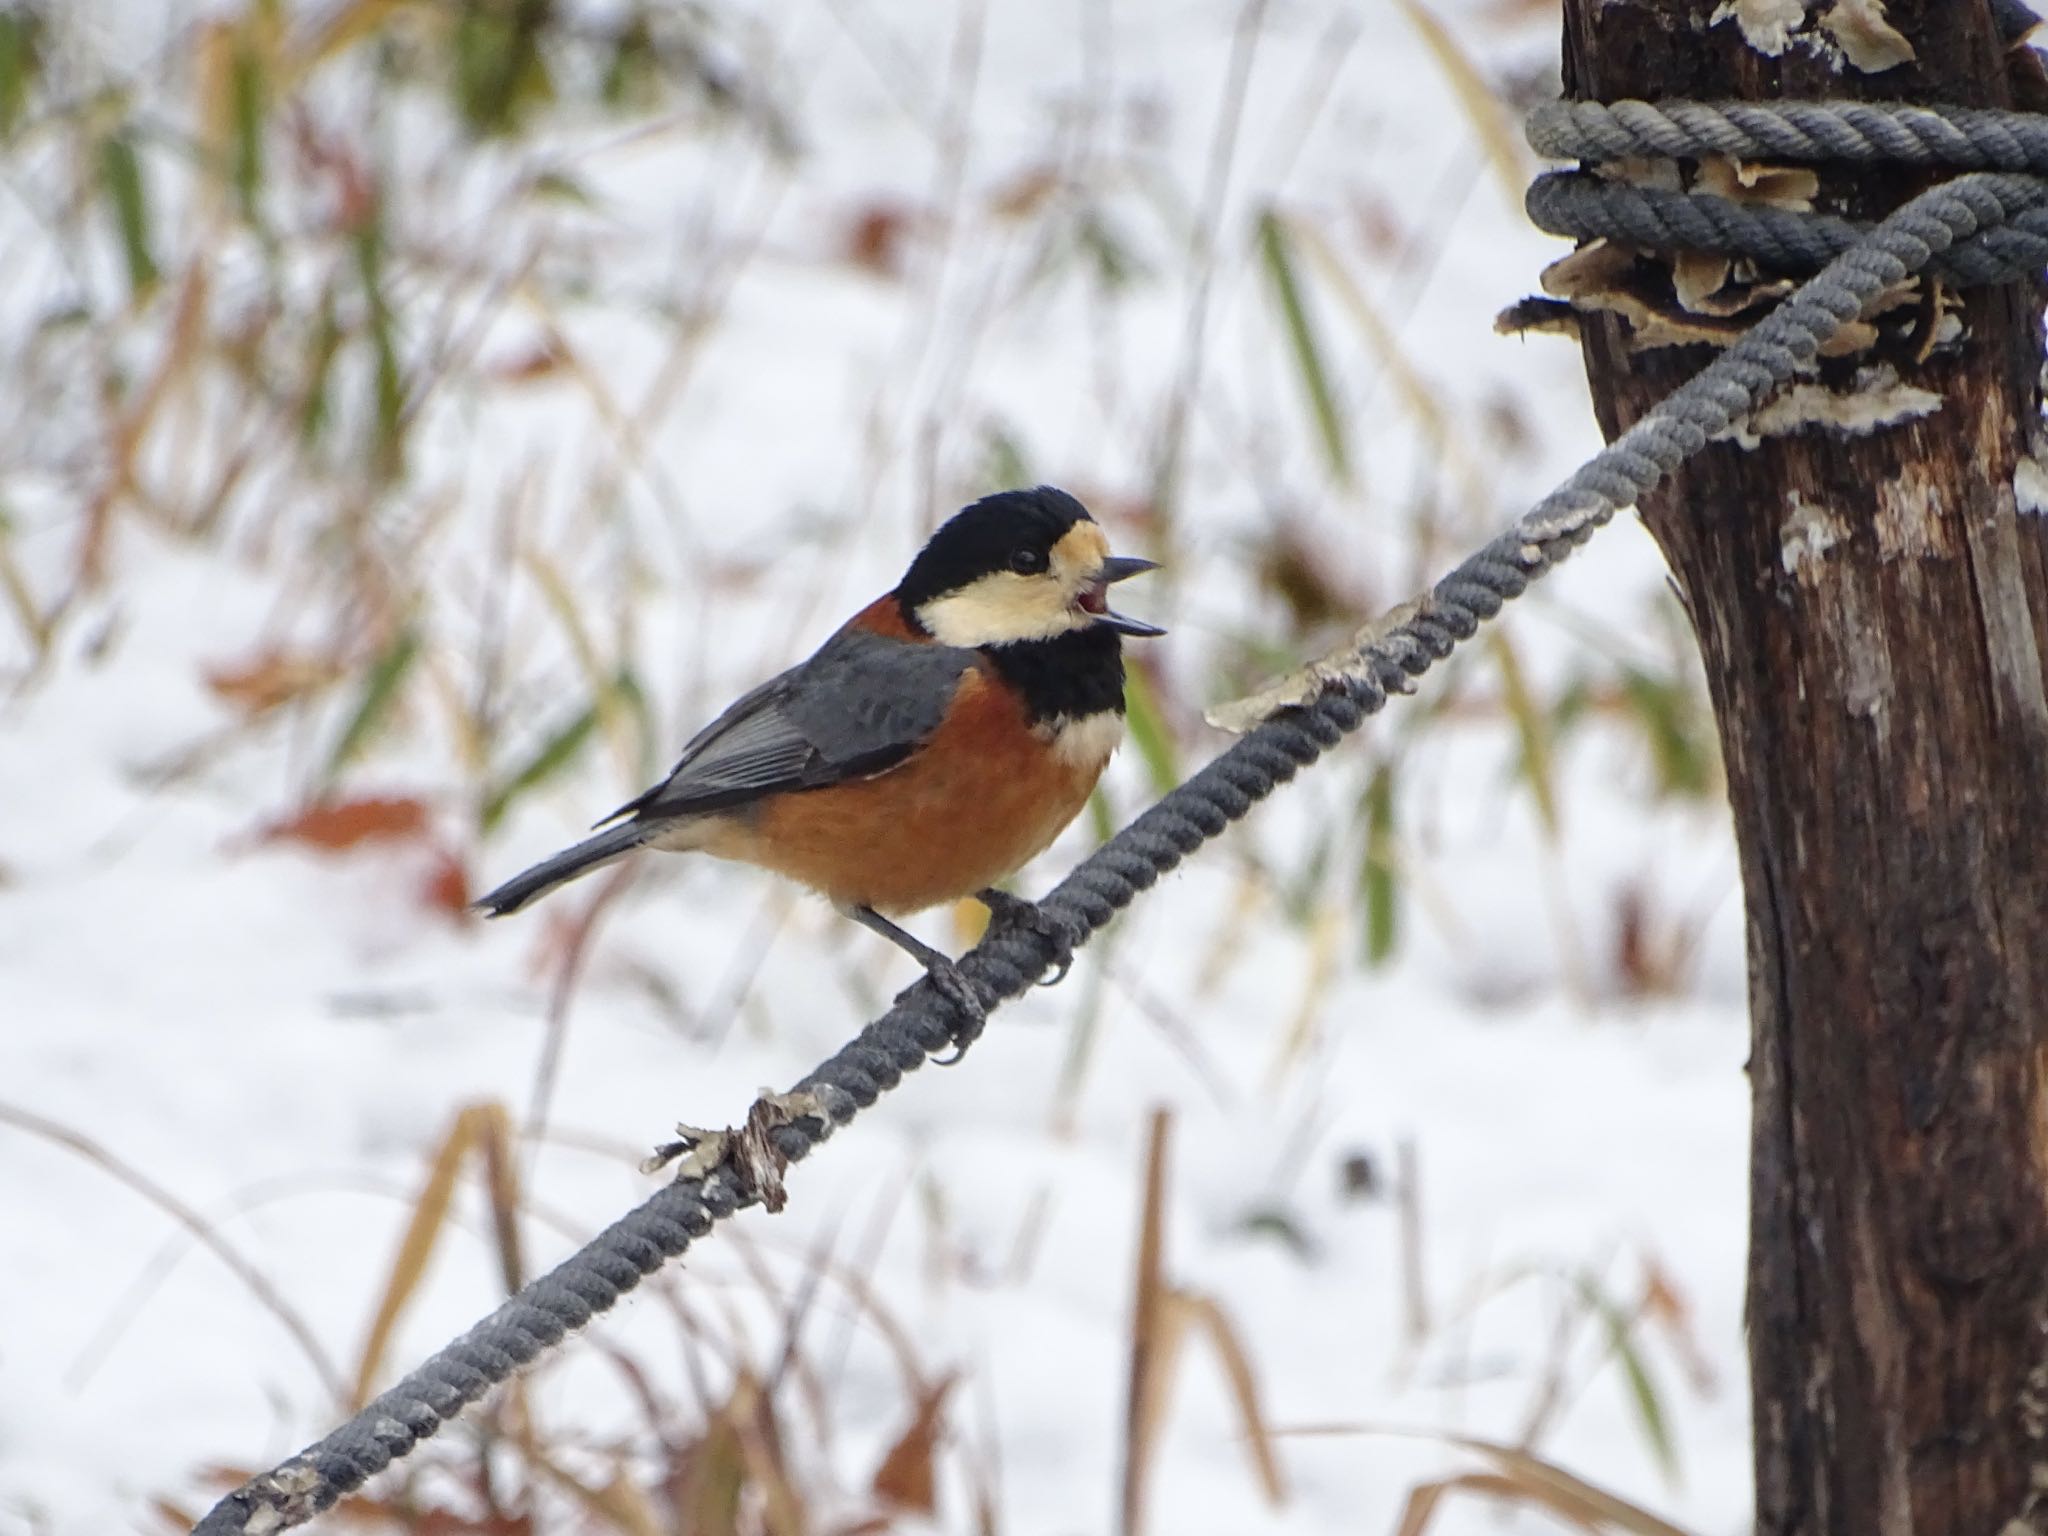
x=860, y=706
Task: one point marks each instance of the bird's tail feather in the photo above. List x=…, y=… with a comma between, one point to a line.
x=570, y=864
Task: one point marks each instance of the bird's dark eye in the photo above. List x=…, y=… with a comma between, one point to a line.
x=1028, y=562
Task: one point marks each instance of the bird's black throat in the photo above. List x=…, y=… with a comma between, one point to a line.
x=1070, y=676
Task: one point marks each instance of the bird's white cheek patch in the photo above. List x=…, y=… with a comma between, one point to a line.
x=1090, y=741
x=1001, y=609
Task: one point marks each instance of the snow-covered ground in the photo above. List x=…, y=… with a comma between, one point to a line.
x=279, y=1037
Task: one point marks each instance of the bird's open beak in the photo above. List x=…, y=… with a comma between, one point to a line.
x=1096, y=599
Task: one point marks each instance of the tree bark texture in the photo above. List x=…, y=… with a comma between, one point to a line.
x=1873, y=615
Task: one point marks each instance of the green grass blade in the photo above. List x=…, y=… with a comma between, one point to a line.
x=1379, y=879
x=1101, y=816
x=388, y=385
x=315, y=406
x=381, y=690
x=1642, y=1391
x=121, y=180
x=1148, y=732
x=18, y=63
x=1680, y=749
x=1276, y=255
x=1532, y=727
x=499, y=70
x=627, y=697
x=550, y=758
x=250, y=97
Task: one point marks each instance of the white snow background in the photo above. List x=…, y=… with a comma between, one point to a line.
x=279, y=1037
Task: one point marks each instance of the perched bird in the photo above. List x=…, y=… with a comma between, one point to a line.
x=942, y=738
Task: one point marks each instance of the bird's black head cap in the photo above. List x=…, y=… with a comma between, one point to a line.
x=1011, y=530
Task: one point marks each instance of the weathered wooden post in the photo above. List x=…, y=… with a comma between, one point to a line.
x=1873, y=613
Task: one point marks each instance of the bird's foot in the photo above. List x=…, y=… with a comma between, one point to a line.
x=970, y=1012
x=1007, y=911
x=951, y=983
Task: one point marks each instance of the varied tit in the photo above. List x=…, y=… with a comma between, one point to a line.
x=940, y=740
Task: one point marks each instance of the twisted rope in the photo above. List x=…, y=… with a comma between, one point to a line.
x=1354, y=687
x=1586, y=207
x=1582, y=206
x=1810, y=132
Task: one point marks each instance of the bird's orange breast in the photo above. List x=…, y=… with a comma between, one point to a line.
x=986, y=794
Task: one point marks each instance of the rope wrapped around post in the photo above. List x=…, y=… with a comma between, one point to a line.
x=1349, y=688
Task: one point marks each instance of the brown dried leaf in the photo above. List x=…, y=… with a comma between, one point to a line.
x=535, y=363
x=618, y=1501
x=1635, y=968
x=1424, y=1498
x=1298, y=571
x=1420, y=1509
x=1163, y=1316
x=877, y=236
x=716, y=1480
x=341, y=28
x=752, y=1412
x=1484, y=110
x=1023, y=195
x=906, y=1477
x=1530, y=1479
x=338, y=824
x=1155, y=1333
x=495, y=1143
x=271, y=679
x=1202, y=1312
x=1661, y=1300
x=446, y=888
x=429, y=1215
x=404, y=1513
x=1377, y=226
x=213, y=57
x=1667, y=1309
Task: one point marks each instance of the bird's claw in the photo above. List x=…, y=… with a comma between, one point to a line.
x=1007, y=911
x=948, y=981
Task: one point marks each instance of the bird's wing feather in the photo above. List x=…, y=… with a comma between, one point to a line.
x=861, y=706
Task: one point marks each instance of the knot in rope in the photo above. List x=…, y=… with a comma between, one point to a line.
x=1997, y=157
